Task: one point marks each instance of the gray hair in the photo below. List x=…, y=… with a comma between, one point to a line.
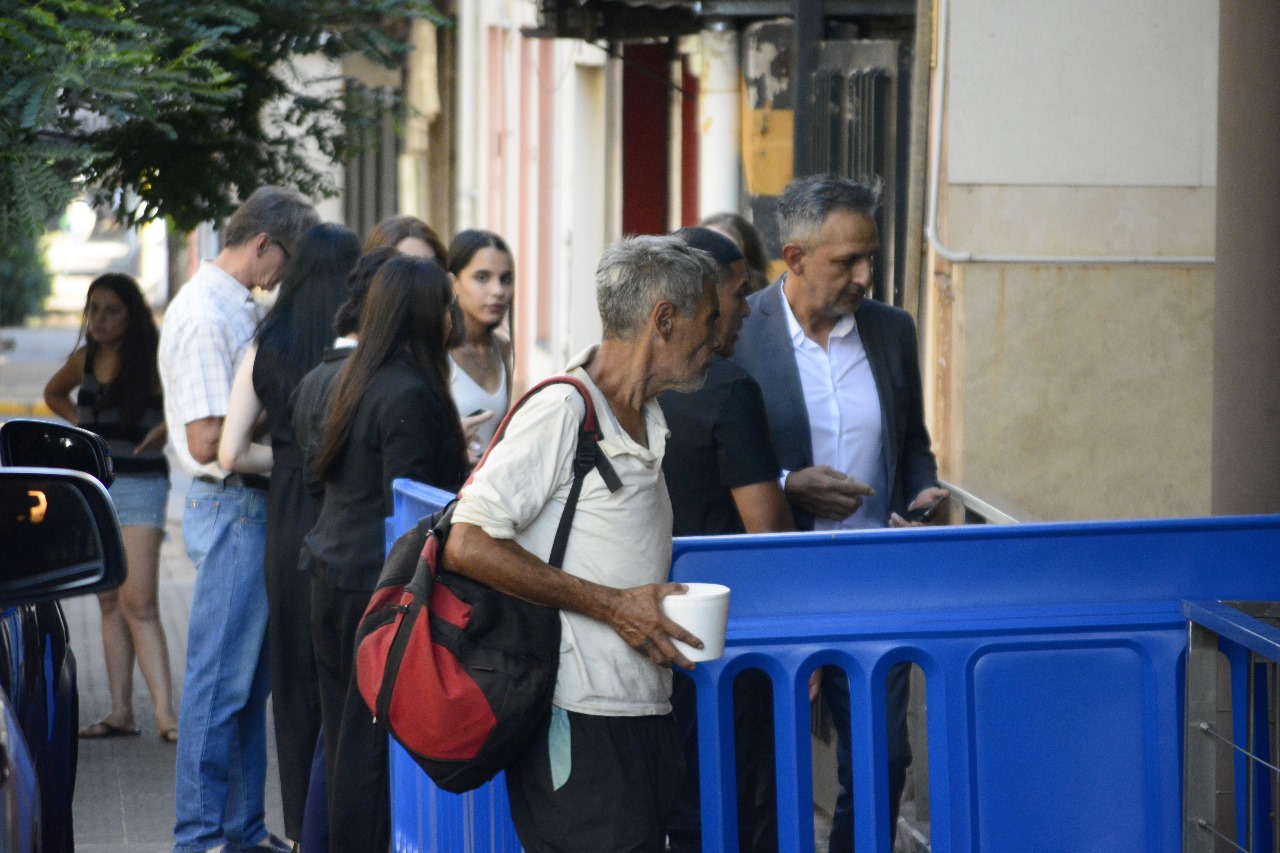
x=807, y=202
x=284, y=215
x=637, y=273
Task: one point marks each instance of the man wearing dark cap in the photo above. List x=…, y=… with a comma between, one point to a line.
x=723, y=477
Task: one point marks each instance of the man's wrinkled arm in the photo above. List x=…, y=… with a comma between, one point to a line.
x=635, y=613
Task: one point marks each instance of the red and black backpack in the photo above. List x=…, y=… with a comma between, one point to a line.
x=462, y=675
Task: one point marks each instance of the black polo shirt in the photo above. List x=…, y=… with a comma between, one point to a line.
x=719, y=441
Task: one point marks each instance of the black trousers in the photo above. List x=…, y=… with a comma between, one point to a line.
x=355, y=749
x=295, y=696
x=624, y=777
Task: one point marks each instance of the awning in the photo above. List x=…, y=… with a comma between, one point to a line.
x=616, y=20
x=640, y=20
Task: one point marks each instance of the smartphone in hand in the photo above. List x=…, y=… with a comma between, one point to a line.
x=926, y=512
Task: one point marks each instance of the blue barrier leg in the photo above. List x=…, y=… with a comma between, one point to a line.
x=794, y=752
x=1238, y=658
x=870, y=770
x=941, y=827
x=960, y=804
x=1260, y=772
x=715, y=756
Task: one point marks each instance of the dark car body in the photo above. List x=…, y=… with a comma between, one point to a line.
x=59, y=536
x=38, y=677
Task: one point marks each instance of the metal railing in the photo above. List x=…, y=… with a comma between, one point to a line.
x=981, y=507
x=1238, y=811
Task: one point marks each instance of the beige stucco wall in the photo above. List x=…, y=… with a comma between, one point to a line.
x=1084, y=391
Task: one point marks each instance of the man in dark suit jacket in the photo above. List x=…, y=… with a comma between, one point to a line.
x=841, y=381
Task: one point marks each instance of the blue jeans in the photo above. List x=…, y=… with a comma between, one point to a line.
x=221, y=763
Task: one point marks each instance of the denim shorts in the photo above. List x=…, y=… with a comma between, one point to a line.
x=141, y=499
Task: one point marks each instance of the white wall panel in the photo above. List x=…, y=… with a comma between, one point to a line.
x=1083, y=92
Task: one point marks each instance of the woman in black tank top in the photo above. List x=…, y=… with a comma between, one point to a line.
x=120, y=399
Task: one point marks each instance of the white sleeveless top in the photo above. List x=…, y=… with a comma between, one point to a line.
x=468, y=396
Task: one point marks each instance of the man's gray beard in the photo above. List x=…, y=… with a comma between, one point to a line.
x=694, y=383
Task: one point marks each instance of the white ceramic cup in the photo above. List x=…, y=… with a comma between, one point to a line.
x=702, y=611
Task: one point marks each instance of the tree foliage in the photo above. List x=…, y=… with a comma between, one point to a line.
x=24, y=281
x=172, y=108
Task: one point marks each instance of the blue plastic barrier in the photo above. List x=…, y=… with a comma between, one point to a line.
x=1052, y=656
x=425, y=818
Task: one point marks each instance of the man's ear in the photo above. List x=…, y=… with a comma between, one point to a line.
x=261, y=242
x=662, y=318
x=793, y=254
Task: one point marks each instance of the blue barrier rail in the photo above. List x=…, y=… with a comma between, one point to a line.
x=1052, y=656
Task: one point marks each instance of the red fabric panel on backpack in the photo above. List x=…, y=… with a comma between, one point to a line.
x=443, y=602
x=449, y=607
x=381, y=598
x=442, y=712
x=375, y=648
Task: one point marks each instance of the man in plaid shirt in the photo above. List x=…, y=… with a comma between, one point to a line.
x=222, y=746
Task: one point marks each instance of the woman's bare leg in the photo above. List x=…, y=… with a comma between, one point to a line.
x=138, y=602
x=117, y=647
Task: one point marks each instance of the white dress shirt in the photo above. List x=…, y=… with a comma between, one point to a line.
x=844, y=413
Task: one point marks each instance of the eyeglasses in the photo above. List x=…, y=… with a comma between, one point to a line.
x=287, y=255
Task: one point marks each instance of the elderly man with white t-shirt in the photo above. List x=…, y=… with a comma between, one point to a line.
x=604, y=776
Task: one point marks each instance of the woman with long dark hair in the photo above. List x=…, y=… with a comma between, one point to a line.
x=120, y=399
x=391, y=416
x=289, y=343
x=408, y=235
x=483, y=275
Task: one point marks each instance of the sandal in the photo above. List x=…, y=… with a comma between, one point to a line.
x=105, y=729
x=169, y=735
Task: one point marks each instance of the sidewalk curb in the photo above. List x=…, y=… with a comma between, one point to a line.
x=14, y=409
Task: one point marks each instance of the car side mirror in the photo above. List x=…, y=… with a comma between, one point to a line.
x=45, y=444
x=60, y=534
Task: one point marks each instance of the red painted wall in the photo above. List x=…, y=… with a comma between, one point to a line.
x=645, y=122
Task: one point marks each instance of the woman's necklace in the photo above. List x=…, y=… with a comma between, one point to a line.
x=481, y=368
x=483, y=364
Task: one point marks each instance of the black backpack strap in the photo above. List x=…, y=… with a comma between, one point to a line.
x=587, y=456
